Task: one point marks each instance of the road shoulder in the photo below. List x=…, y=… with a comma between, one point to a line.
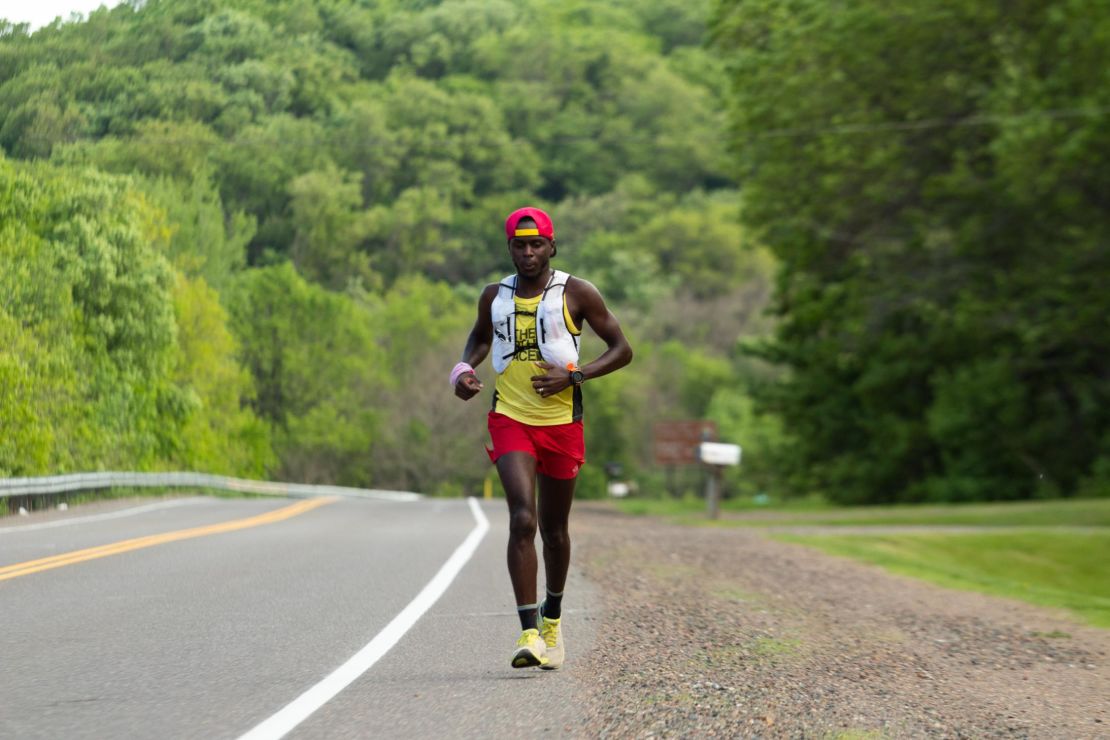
x=729, y=631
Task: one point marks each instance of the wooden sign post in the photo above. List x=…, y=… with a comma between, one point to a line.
x=676, y=442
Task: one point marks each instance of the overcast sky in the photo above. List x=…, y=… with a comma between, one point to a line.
x=40, y=12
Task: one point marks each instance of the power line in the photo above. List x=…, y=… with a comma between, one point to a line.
x=931, y=123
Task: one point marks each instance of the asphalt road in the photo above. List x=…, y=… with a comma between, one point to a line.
x=211, y=636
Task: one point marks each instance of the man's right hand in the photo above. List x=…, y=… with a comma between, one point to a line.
x=467, y=386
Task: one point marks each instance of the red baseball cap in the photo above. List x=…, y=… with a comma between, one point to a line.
x=543, y=223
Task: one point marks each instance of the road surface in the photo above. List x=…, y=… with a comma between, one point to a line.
x=194, y=627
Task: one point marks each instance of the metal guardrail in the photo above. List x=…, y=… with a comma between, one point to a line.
x=100, y=481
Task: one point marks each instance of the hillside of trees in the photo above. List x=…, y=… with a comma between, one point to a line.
x=869, y=240
x=248, y=237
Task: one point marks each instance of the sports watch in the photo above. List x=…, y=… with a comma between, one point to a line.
x=577, y=377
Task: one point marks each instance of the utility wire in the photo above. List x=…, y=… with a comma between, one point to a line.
x=931, y=123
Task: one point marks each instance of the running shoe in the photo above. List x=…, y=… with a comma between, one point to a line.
x=530, y=650
x=553, y=641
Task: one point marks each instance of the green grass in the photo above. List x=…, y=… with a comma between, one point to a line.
x=1066, y=570
x=693, y=506
x=770, y=647
x=1080, y=512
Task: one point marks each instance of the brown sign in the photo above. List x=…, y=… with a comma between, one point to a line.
x=676, y=442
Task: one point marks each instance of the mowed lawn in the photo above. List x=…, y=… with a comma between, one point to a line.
x=1070, y=570
x=1058, y=513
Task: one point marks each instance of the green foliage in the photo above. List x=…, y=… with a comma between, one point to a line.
x=327, y=227
x=699, y=244
x=99, y=371
x=81, y=279
x=256, y=167
x=333, y=176
x=219, y=435
x=426, y=442
x=928, y=176
x=615, y=430
x=25, y=413
x=316, y=369
x=458, y=97
x=413, y=235
x=926, y=180
x=204, y=239
x=147, y=149
x=762, y=438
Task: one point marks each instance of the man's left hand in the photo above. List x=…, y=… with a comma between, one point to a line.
x=557, y=379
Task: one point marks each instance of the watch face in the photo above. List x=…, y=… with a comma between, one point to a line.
x=577, y=377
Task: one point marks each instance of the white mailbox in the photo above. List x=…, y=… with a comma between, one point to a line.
x=716, y=453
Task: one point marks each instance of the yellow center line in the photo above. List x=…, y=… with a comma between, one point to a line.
x=115, y=548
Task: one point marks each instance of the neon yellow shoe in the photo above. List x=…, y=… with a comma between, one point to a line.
x=553, y=641
x=530, y=650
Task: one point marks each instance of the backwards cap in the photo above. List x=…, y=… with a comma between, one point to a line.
x=543, y=223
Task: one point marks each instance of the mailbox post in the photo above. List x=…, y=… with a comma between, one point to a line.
x=717, y=456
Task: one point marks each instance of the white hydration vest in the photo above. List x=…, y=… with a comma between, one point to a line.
x=556, y=342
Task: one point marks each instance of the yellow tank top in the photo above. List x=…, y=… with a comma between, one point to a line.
x=513, y=394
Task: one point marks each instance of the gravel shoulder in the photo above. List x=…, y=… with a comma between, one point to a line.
x=725, y=632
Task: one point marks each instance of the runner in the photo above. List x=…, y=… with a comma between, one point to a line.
x=532, y=321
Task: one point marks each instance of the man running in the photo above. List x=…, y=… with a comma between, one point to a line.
x=532, y=321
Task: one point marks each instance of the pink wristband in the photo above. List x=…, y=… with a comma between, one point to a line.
x=461, y=369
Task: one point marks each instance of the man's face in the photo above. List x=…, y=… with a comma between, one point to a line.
x=531, y=254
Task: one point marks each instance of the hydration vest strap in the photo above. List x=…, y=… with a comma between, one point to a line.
x=550, y=284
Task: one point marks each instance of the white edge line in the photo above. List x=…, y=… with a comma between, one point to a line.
x=98, y=517
x=304, y=705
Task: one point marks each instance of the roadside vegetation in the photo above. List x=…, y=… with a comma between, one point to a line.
x=1066, y=570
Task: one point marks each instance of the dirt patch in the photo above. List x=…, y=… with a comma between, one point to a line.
x=725, y=632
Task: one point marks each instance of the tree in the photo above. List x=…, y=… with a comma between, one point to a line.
x=929, y=181
x=220, y=433
x=317, y=373
x=328, y=228
x=205, y=240
x=111, y=359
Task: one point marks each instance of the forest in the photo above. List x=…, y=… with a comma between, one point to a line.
x=869, y=239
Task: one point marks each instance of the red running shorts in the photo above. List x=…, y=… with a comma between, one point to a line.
x=559, y=450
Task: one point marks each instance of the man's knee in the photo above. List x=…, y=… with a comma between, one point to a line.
x=557, y=537
x=522, y=524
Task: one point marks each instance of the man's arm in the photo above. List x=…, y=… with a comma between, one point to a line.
x=477, y=345
x=589, y=305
